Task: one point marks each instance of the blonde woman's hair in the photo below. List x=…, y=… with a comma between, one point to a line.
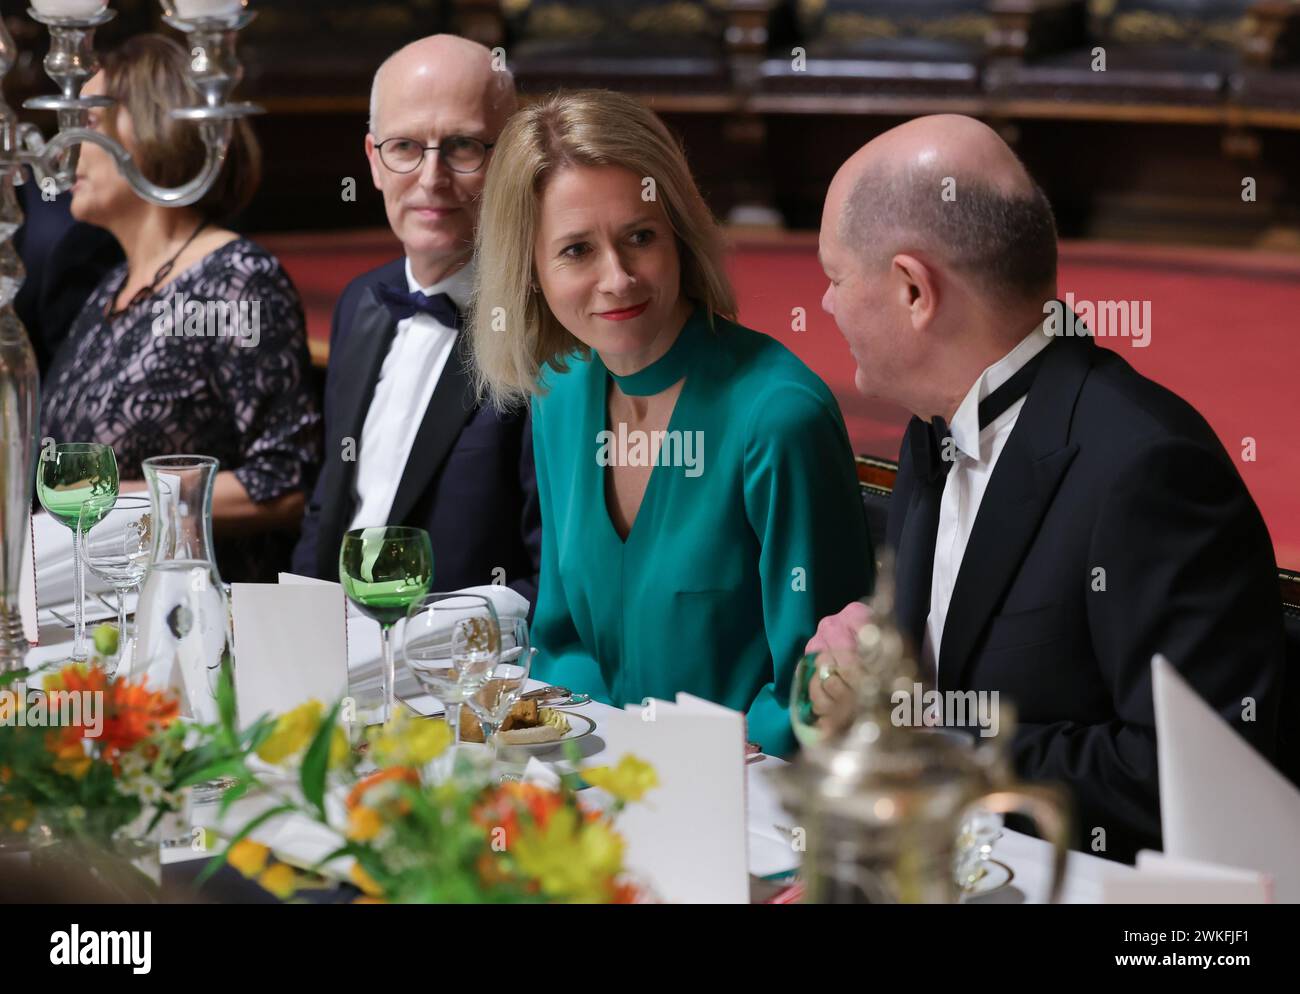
x=514, y=331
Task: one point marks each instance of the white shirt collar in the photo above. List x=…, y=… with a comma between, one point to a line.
x=965, y=426
x=459, y=286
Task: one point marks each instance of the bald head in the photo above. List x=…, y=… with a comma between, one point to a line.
x=443, y=63
x=948, y=187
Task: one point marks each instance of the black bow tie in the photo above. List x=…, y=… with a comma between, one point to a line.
x=402, y=304
x=930, y=453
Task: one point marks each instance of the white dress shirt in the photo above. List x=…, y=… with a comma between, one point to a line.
x=977, y=453
x=420, y=349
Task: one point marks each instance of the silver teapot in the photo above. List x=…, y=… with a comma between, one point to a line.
x=881, y=801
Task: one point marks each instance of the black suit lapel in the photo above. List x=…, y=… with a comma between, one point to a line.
x=1024, y=481
x=358, y=363
x=453, y=401
x=912, y=572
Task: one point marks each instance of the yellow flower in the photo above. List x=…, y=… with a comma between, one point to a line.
x=340, y=747
x=19, y=824
x=71, y=759
x=365, y=881
x=409, y=741
x=571, y=859
x=280, y=880
x=293, y=730
x=364, y=823
x=628, y=781
x=248, y=857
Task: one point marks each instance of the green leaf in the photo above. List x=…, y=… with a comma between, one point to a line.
x=315, y=763
x=237, y=791
x=226, y=697
x=212, y=771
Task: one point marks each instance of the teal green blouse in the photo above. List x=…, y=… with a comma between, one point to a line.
x=751, y=529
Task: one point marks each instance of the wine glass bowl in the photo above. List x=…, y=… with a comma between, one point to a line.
x=504, y=681
x=118, y=538
x=384, y=570
x=450, y=643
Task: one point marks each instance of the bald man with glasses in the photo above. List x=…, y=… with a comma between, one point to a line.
x=407, y=441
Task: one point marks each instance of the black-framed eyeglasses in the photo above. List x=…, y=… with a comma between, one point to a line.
x=461, y=153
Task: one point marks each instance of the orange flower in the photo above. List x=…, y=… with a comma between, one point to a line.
x=280, y=879
x=364, y=823
x=132, y=712
x=625, y=892
x=135, y=713
x=501, y=807
x=383, y=776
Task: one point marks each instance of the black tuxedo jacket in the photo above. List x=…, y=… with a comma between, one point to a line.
x=468, y=481
x=1114, y=526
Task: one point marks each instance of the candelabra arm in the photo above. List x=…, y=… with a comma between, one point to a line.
x=216, y=137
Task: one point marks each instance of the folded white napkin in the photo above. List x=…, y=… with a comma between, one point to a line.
x=54, y=573
x=541, y=774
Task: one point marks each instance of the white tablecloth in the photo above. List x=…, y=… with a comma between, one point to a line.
x=769, y=851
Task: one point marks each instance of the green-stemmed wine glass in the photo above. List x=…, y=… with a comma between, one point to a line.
x=384, y=571
x=69, y=475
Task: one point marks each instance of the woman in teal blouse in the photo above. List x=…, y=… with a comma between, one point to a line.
x=699, y=502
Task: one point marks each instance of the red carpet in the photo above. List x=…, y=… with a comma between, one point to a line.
x=1224, y=335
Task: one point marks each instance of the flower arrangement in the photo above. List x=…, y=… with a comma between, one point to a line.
x=417, y=834
x=91, y=764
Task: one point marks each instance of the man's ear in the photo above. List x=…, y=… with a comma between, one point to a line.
x=376, y=167
x=918, y=287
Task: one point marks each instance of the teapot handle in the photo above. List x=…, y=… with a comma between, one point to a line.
x=1048, y=807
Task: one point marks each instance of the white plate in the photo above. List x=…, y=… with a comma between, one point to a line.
x=579, y=726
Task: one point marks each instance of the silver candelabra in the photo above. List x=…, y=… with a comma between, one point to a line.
x=210, y=27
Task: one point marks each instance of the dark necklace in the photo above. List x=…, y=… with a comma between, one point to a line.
x=145, y=292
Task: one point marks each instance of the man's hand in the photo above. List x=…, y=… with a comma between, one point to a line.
x=833, y=688
x=840, y=631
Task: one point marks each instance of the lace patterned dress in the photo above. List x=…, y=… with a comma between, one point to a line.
x=214, y=364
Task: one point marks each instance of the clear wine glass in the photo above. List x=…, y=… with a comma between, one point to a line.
x=117, y=536
x=504, y=682
x=451, y=643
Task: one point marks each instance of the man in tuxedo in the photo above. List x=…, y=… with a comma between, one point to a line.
x=1057, y=518
x=407, y=440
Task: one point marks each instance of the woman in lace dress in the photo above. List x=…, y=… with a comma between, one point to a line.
x=197, y=343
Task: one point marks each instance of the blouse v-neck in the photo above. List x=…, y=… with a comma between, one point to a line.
x=668, y=369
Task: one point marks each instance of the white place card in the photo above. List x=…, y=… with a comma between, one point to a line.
x=1221, y=802
x=687, y=837
x=290, y=646
x=1161, y=879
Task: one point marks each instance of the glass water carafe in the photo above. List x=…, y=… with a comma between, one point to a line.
x=182, y=617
